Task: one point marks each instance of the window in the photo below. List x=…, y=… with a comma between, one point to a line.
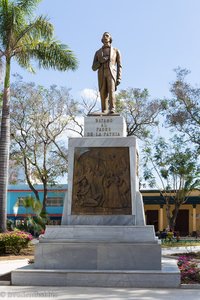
x=54, y=201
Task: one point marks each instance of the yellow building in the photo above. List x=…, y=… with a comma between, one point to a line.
x=188, y=219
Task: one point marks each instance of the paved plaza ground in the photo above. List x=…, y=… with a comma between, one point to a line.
x=76, y=293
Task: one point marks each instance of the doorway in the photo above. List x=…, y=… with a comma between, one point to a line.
x=152, y=218
x=182, y=222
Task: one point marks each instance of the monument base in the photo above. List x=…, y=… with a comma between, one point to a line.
x=98, y=255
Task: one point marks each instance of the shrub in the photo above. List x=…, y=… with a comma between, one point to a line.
x=13, y=241
x=170, y=235
x=2, y=247
x=190, y=273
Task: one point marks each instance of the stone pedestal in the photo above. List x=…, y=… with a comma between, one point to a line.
x=104, y=126
x=96, y=247
x=103, y=239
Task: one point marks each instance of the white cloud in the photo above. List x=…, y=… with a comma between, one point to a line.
x=89, y=94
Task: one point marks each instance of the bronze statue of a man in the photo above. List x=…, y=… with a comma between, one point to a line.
x=107, y=61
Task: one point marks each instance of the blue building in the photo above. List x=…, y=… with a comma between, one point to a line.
x=54, y=204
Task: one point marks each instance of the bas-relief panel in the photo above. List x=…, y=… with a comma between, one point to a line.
x=101, y=181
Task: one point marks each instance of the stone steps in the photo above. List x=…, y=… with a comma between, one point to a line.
x=169, y=276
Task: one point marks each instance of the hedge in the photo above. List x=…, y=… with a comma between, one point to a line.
x=11, y=242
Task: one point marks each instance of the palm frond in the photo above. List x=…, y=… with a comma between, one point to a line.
x=24, y=61
x=6, y=21
x=27, y=6
x=28, y=41
x=54, y=55
x=41, y=28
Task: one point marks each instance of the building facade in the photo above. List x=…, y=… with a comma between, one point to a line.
x=54, y=203
x=188, y=220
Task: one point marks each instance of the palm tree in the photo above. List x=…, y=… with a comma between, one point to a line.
x=33, y=208
x=24, y=39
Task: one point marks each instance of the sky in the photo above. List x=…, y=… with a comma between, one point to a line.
x=153, y=36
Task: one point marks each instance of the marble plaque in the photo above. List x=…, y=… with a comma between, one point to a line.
x=104, y=126
x=101, y=181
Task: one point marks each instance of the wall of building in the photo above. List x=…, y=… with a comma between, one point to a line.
x=18, y=191
x=193, y=212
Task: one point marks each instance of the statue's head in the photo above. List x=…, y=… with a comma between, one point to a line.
x=106, y=36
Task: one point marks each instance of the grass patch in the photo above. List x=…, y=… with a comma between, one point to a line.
x=192, y=255
x=181, y=243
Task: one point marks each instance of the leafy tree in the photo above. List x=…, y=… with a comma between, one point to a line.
x=40, y=118
x=139, y=111
x=183, y=111
x=91, y=103
x=14, y=175
x=175, y=165
x=88, y=104
x=25, y=39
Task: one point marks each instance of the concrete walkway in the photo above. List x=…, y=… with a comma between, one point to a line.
x=7, y=266
x=172, y=250
x=76, y=293
x=61, y=293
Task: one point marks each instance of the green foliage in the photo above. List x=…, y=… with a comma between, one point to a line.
x=181, y=243
x=31, y=203
x=183, y=110
x=34, y=221
x=36, y=133
x=37, y=142
x=175, y=163
x=2, y=246
x=174, y=166
x=140, y=113
x=25, y=39
x=12, y=242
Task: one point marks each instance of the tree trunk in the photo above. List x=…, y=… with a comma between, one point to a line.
x=5, y=148
x=27, y=174
x=174, y=216
x=168, y=212
x=44, y=181
x=171, y=217
x=44, y=199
